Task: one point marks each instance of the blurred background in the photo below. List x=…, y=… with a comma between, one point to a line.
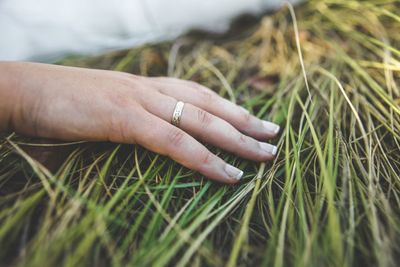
x=45, y=30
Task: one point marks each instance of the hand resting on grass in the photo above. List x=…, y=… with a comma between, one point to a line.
x=69, y=103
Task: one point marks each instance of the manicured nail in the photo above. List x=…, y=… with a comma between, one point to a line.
x=271, y=127
x=233, y=172
x=271, y=149
x=245, y=110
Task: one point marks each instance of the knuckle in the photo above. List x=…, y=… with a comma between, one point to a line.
x=204, y=117
x=176, y=137
x=125, y=80
x=127, y=83
x=245, y=119
x=205, y=93
x=243, y=139
x=207, y=96
x=206, y=158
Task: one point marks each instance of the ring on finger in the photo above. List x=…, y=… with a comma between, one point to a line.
x=177, y=114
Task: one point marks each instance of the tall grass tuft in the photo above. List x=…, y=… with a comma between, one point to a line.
x=327, y=71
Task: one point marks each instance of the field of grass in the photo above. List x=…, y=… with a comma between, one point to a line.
x=328, y=73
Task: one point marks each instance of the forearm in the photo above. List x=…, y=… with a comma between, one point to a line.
x=9, y=94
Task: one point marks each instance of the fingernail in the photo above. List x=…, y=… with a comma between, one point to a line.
x=233, y=172
x=245, y=110
x=271, y=149
x=271, y=127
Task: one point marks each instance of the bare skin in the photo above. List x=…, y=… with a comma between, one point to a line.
x=71, y=104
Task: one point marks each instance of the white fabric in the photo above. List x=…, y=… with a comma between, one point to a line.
x=48, y=29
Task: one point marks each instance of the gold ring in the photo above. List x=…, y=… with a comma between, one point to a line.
x=176, y=116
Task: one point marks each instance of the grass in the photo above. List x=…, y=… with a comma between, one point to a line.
x=331, y=198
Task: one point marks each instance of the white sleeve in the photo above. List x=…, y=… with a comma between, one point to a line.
x=48, y=29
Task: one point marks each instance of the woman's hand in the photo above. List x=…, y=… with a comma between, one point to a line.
x=83, y=104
